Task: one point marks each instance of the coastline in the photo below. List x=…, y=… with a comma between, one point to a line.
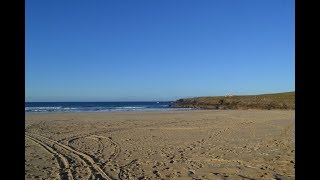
x=207, y=144
x=155, y=111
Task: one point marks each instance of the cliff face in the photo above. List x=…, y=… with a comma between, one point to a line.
x=264, y=101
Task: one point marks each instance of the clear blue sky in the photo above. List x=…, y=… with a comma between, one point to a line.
x=116, y=50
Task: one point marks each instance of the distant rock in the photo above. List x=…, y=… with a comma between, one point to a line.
x=265, y=101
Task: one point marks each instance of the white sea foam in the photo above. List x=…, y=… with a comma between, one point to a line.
x=131, y=107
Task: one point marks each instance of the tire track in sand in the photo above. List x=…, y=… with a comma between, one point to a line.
x=62, y=161
x=96, y=170
x=101, y=146
x=113, y=156
x=111, y=161
x=117, y=148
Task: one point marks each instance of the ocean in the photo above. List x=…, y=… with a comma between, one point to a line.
x=43, y=107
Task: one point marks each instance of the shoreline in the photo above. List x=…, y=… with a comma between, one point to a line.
x=156, y=111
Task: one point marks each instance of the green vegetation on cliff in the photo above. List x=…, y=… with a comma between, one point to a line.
x=263, y=101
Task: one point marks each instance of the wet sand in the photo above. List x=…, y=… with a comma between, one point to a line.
x=204, y=144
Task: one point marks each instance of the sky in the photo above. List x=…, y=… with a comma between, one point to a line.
x=157, y=50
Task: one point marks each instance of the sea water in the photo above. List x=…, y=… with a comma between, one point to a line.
x=99, y=106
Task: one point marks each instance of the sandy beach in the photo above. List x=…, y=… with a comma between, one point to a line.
x=200, y=144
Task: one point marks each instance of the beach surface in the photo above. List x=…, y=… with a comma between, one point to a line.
x=197, y=144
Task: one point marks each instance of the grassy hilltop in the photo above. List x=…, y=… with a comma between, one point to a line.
x=264, y=101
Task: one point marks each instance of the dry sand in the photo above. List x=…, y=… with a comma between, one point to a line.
x=204, y=144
